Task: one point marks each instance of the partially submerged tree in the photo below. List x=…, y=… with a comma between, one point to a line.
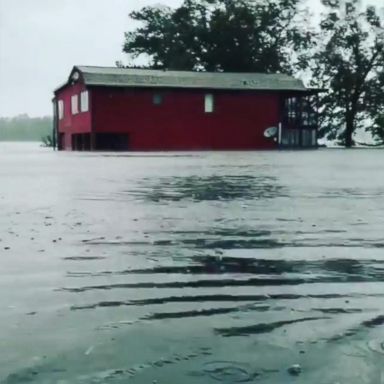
x=222, y=35
x=349, y=63
x=376, y=107
x=377, y=129
x=276, y=36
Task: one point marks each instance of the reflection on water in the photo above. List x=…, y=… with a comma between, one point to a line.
x=194, y=188
x=212, y=188
x=200, y=268
x=270, y=272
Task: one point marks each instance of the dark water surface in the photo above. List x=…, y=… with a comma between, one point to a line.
x=191, y=268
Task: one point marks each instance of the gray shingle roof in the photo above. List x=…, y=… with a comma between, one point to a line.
x=124, y=77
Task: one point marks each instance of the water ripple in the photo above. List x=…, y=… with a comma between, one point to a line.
x=262, y=327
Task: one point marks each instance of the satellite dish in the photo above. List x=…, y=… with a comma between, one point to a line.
x=271, y=132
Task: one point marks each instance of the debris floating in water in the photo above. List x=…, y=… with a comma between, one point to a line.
x=295, y=370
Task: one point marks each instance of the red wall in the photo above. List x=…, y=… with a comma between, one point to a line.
x=180, y=123
x=79, y=123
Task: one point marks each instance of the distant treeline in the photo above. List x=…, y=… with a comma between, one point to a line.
x=25, y=128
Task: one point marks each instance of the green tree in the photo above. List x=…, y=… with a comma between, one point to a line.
x=222, y=35
x=349, y=63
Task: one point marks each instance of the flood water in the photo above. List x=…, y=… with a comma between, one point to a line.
x=191, y=267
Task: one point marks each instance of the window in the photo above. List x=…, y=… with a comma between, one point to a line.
x=75, y=104
x=292, y=106
x=157, y=99
x=209, y=103
x=314, y=138
x=304, y=112
x=84, y=101
x=60, y=107
x=75, y=76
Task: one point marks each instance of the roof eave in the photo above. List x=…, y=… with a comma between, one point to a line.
x=317, y=90
x=60, y=87
x=93, y=84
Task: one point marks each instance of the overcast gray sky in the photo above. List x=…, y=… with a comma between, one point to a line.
x=41, y=40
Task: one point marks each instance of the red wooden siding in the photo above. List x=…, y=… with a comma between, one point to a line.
x=180, y=123
x=79, y=123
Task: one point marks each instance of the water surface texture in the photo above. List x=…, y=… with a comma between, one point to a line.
x=191, y=267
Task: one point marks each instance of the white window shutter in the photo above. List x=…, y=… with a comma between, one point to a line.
x=75, y=104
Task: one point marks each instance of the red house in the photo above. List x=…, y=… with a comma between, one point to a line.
x=150, y=110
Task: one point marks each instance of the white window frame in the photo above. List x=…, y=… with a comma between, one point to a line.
x=84, y=101
x=209, y=103
x=75, y=104
x=60, y=109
